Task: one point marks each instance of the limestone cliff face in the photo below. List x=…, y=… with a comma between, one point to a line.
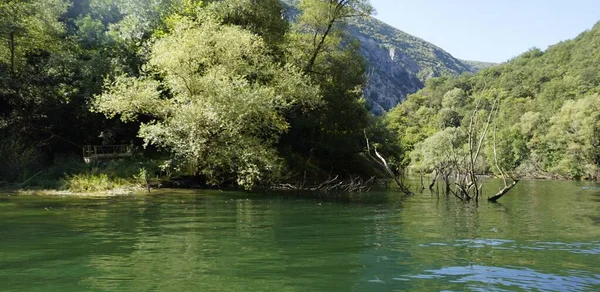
x=398, y=63
x=391, y=75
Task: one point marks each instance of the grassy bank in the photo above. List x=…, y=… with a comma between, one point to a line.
x=71, y=176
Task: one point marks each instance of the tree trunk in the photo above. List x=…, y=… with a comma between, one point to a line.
x=507, y=187
x=313, y=58
x=11, y=44
x=447, y=182
x=338, y=7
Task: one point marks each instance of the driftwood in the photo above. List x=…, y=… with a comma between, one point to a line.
x=470, y=186
x=467, y=184
x=332, y=184
x=460, y=175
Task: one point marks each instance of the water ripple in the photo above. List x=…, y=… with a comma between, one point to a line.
x=592, y=248
x=497, y=278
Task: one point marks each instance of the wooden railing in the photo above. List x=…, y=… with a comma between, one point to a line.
x=95, y=152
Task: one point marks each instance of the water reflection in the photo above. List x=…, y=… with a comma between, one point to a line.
x=540, y=237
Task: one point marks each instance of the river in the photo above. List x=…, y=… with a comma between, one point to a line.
x=542, y=236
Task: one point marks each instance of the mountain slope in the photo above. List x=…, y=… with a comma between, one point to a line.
x=399, y=63
x=477, y=65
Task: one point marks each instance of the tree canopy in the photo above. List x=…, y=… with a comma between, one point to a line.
x=219, y=104
x=547, y=124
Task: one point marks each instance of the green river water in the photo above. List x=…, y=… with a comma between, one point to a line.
x=542, y=236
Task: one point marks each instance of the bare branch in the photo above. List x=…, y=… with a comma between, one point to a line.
x=383, y=164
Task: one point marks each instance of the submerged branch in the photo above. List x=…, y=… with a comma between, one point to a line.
x=503, y=191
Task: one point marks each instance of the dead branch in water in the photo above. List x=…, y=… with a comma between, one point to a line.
x=383, y=164
x=507, y=187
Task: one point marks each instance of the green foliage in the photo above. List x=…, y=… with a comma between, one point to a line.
x=329, y=137
x=448, y=118
x=547, y=124
x=106, y=176
x=511, y=149
x=477, y=66
x=439, y=151
x=228, y=89
x=91, y=183
x=219, y=104
x=64, y=166
x=27, y=26
x=455, y=98
x=574, y=138
x=260, y=17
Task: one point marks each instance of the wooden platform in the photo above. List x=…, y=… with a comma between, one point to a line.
x=105, y=152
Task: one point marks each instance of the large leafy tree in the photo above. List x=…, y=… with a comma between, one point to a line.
x=31, y=70
x=214, y=98
x=263, y=18
x=329, y=137
x=574, y=139
x=320, y=22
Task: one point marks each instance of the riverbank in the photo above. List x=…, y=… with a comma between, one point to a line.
x=124, y=191
x=110, y=185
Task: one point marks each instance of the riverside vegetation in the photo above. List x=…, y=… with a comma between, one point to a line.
x=230, y=93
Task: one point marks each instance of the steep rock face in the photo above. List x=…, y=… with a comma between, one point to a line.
x=399, y=63
x=391, y=75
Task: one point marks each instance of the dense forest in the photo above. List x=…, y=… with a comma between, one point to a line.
x=229, y=92
x=547, y=119
x=234, y=93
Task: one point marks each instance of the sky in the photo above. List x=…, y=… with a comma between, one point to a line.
x=490, y=30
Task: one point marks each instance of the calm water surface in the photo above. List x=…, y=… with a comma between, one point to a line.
x=543, y=236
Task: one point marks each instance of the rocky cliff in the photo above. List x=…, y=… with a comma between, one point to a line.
x=399, y=63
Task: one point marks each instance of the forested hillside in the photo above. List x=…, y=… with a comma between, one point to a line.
x=548, y=119
x=477, y=66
